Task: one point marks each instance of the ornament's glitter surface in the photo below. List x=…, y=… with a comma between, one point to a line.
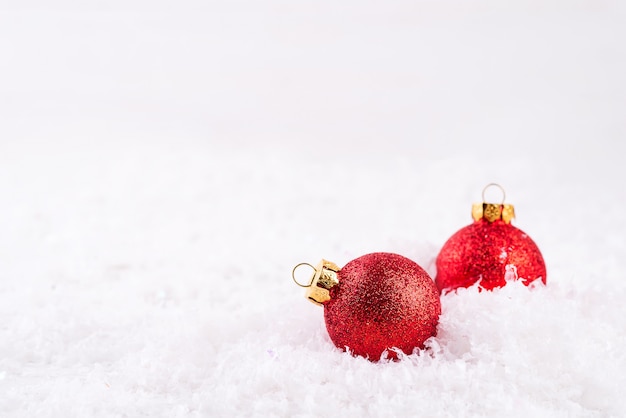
x=482, y=251
x=382, y=301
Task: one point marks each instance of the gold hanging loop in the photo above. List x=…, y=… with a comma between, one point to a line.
x=324, y=278
x=499, y=187
x=293, y=275
x=492, y=212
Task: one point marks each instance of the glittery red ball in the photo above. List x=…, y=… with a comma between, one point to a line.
x=382, y=301
x=490, y=252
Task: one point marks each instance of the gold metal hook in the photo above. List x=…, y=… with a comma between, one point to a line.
x=499, y=187
x=293, y=274
x=493, y=211
x=324, y=277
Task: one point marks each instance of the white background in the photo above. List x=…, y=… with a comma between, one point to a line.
x=164, y=165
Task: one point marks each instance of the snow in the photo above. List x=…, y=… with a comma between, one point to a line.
x=163, y=167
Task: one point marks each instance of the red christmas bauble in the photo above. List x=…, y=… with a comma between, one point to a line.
x=382, y=301
x=490, y=251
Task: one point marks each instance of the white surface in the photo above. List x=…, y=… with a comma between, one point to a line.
x=162, y=169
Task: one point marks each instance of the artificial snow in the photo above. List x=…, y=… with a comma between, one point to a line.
x=162, y=169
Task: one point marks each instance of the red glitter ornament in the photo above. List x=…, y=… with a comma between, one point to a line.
x=490, y=251
x=375, y=303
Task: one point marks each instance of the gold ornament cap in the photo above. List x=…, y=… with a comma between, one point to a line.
x=323, y=279
x=492, y=212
